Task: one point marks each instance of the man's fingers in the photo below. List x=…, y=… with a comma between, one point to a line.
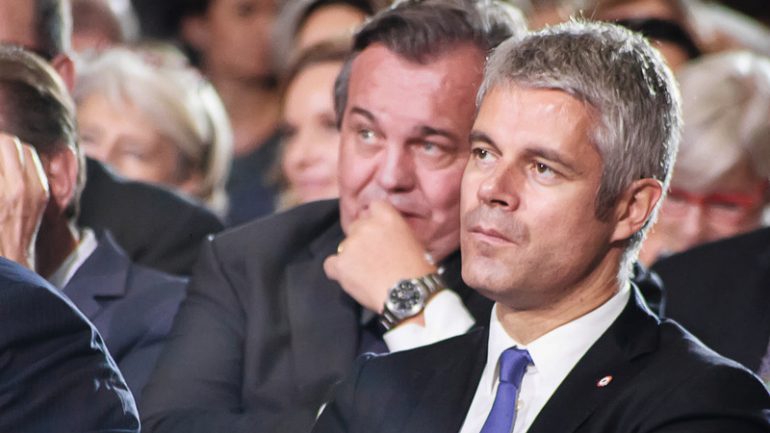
x=11, y=157
x=34, y=169
x=383, y=208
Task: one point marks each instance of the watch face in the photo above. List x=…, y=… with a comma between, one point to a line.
x=406, y=299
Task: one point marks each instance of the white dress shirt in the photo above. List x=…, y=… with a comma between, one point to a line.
x=553, y=355
x=445, y=317
x=72, y=263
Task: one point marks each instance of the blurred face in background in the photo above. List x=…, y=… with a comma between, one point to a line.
x=667, y=10
x=731, y=205
x=125, y=138
x=328, y=22
x=311, y=139
x=233, y=37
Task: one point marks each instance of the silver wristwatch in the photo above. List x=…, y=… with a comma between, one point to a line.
x=408, y=298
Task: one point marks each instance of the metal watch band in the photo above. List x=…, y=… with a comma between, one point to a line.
x=432, y=283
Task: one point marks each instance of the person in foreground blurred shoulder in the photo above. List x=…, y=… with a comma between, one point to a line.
x=57, y=375
x=132, y=306
x=571, y=155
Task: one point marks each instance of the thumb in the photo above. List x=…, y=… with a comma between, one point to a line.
x=330, y=267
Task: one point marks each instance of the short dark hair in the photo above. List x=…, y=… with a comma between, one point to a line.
x=37, y=108
x=423, y=30
x=53, y=27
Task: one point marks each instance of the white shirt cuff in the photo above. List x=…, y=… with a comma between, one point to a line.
x=445, y=317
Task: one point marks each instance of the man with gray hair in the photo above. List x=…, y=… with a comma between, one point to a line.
x=278, y=309
x=571, y=153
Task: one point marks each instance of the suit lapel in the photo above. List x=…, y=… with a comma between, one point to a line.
x=443, y=391
x=756, y=302
x=102, y=275
x=633, y=334
x=322, y=317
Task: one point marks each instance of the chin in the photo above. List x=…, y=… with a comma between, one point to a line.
x=483, y=275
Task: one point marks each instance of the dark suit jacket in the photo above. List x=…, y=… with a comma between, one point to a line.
x=263, y=334
x=132, y=307
x=721, y=293
x=55, y=374
x=154, y=226
x=664, y=380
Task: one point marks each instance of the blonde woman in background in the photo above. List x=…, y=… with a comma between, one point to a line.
x=311, y=139
x=152, y=118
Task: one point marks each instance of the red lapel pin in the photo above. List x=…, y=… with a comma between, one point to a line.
x=604, y=381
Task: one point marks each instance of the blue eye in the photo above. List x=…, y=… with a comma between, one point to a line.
x=366, y=134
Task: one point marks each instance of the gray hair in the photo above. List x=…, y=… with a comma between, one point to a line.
x=726, y=107
x=37, y=108
x=423, y=30
x=626, y=82
x=184, y=107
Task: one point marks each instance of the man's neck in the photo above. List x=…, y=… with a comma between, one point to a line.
x=527, y=325
x=253, y=108
x=55, y=242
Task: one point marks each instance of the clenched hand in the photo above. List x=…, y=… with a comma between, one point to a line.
x=380, y=250
x=23, y=198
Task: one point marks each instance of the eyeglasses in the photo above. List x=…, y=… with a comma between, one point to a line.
x=720, y=207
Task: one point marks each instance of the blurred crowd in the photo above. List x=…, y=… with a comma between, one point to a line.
x=189, y=118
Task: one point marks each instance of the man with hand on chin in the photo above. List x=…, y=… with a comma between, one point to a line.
x=279, y=309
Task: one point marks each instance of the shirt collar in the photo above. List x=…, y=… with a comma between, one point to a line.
x=62, y=276
x=555, y=353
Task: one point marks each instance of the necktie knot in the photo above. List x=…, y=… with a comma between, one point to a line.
x=513, y=364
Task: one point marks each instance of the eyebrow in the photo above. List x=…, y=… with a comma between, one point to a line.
x=550, y=155
x=478, y=136
x=422, y=130
x=361, y=112
x=429, y=130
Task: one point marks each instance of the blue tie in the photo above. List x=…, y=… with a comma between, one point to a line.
x=513, y=364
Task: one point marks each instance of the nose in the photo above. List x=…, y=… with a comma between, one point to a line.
x=396, y=172
x=499, y=188
x=299, y=152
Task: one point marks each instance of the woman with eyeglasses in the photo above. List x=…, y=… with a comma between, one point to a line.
x=720, y=183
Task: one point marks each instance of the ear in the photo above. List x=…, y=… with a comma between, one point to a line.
x=635, y=207
x=192, y=184
x=63, y=64
x=62, y=172
x=195, y=32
